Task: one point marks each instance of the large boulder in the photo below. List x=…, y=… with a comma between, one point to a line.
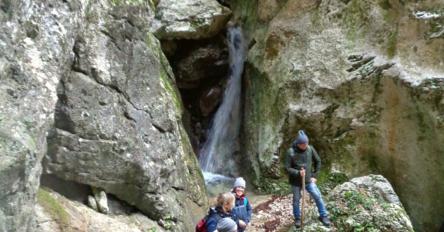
x=366, y=203
x=363, y=78
x=118, y=119
x=190, y=19
x=36, y=38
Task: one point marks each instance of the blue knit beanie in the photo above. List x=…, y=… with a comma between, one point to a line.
x=302, y=137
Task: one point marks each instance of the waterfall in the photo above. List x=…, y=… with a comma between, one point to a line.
x=216, y=155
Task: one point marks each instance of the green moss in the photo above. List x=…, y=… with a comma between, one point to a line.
x=316, y=20
x=378, y=88
x=53, y=207
x=424, y=122
x=392, y=41
x=384, y=4
x=171, y=90
x=166, y=73
x=246, y=12
x=355, y=18
x=152, y=42
x=263, y=115
x=193, y=174
x=198, y=23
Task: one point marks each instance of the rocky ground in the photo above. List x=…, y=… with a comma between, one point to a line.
x=273, y=214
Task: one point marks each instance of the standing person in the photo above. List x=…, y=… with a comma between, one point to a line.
x=302, y=159
x=223, y=209
x=242, y=206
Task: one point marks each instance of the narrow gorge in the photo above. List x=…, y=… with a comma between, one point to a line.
x=131, y=115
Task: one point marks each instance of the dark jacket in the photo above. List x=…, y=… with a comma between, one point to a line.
x=296, y=159
x=214, y=215
x=242, y=210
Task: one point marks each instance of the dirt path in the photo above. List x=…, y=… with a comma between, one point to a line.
x=275, y=214
x=272, y=213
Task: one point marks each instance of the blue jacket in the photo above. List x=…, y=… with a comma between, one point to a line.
x=214, y=215
x=243, y=209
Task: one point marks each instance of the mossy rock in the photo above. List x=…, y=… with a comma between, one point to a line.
x=53, y=207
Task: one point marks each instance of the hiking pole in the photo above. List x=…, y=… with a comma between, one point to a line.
x=303, y=200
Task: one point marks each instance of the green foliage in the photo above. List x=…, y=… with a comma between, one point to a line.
x=273, y=186
x=354, y=202
x=356, y=199
x=367, y=226
x=53, y=208
x=327, y=180
x=169, y=222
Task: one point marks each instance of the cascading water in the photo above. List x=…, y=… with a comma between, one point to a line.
x=216, y=156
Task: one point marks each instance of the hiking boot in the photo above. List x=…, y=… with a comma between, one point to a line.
x=297, y=222
x=325, y=221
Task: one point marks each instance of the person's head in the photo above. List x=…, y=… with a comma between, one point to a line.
x=301, y=140
x=225, y=201
x=239, y=186
x=226, y=225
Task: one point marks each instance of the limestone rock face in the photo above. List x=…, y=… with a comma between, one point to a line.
x=363, y=78
x=117, y=120
x=190, y=19
x=36, y=38
x=96, y=68
x=55, y=213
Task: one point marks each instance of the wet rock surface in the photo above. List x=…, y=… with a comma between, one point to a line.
x=362, y=78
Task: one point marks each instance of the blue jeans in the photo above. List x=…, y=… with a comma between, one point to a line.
x=314, y=192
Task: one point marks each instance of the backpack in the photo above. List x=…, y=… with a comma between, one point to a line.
x=201, y=225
